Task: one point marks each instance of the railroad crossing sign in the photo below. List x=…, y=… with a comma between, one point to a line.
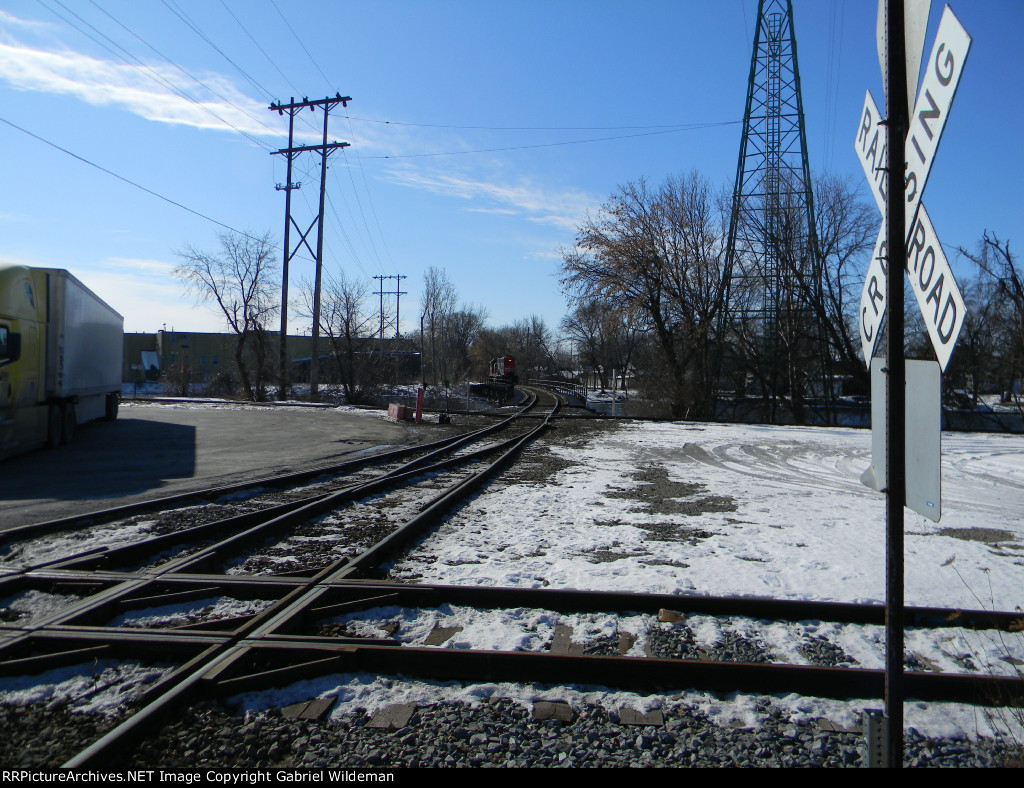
x=931, y=277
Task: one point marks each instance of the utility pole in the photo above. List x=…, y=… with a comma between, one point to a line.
x=282, y=391
x=397, y=293
x=325, y=149
x=380, y=292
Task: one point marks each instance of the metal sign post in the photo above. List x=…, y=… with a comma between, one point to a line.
x=895, y=401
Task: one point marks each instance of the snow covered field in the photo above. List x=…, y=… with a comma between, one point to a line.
x=721, y=510
x=741, y=510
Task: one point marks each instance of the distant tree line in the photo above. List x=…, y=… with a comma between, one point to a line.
x=649, y=301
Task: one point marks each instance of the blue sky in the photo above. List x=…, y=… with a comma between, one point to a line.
x=482, y=132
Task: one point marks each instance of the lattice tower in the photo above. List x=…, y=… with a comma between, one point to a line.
x=768, y=327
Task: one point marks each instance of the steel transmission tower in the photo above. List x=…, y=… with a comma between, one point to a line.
x=769, y=325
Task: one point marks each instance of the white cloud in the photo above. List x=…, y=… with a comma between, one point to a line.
x=561, y=208
x=501, y=211
x=146, y=295
x=8, y=21
x=139, y=266
x=149, y=91
x=545, y=254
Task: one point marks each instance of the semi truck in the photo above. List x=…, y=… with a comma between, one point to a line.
x=60, y=358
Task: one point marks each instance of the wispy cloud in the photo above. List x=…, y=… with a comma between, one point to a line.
x=138, y=267
x=157, y=93
x=9, y=21
x=545, y=254
x=500, y=211
x=561, y=208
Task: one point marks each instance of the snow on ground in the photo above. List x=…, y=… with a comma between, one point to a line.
x=366, y=693
x=748, y=510
x=727, y=510
x=525, y=629
x=62, y=545
x=687, y=509
x=210, y=403
x=104, y=686
x=181, y=613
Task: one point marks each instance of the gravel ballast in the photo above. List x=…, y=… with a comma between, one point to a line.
x=502, y=733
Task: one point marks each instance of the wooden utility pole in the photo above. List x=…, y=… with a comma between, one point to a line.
x=397, y=293
x=282, y=390
x=325, y=149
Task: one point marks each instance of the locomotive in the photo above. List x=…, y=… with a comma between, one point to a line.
x=503, y=371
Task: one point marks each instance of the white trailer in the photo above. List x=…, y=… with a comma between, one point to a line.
x=60, y=357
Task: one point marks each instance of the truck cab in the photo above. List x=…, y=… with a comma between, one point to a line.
x=21, y=361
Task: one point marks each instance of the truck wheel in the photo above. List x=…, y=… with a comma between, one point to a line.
x=70, y=423
x=54, y=423
x=113, y=400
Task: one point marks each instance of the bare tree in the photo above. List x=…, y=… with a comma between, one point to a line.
x=846, y=229
x=604, y=337
x=350, y=328
x=999, y=267
x=438, y=303
x=658, y=255
x=976, y=365
x=529, y=341
x=239, y=281
x=459, y=333
x=794, y=303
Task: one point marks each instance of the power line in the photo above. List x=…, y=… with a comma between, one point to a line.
x=344, y=234
x=257, y=43
x=839, y=73
x=520, y=128
x=184, y=71
x=692, y=127
x=138, y=64
x=359, y=235
x=311, y=60
x=127, y=180
x=373, y=207
x=362, y=214
x=151, y=73
x=195, y=28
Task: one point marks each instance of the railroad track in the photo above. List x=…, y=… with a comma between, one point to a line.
x=243, y=621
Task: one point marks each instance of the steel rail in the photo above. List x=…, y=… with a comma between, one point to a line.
x=267, y=522
x=167, y=692
x=276, y=513
x=109, y=514
x=577, y=601
x=123, y=591
x=373, y=557
x=349, y=590
x=285, y=663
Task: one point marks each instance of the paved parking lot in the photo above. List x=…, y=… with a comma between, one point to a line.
x=155, y=450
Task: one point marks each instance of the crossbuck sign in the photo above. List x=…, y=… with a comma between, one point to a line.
x=931, y=278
